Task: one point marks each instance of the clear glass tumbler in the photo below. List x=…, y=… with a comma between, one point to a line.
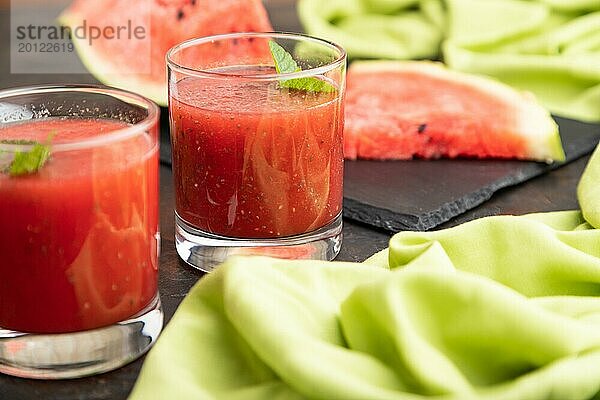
x=257, y=148
x=79, y=240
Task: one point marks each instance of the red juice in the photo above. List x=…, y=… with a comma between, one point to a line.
x=253, y=160
x=79, y=237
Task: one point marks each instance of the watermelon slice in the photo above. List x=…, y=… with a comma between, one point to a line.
x=406, y=109
x=139, y=65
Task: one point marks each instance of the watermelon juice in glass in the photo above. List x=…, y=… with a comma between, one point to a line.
x=256, y=131
x=79, y=237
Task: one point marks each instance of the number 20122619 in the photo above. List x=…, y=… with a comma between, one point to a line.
x=45, y=47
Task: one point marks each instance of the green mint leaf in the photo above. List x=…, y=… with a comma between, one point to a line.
x=29, y=162
x=309, y=84
x=285, y=64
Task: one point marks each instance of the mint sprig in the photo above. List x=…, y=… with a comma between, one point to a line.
x=285, y=64
x=28, y=162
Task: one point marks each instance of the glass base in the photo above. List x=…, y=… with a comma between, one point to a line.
x=205, y=250
x=78, y=354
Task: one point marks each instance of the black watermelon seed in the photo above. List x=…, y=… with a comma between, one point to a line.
x=180, y=15
x=422, y=128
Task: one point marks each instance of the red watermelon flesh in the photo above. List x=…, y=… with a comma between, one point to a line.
x=419, y=109
x=118, y=62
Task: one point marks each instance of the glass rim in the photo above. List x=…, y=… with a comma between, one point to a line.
x=114, y=136
x=339, y=60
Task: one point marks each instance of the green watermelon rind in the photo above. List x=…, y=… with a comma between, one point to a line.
x=535, y=122
x=96, y=64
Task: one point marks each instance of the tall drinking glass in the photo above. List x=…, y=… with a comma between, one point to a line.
x=257, y=154
x=79, y=239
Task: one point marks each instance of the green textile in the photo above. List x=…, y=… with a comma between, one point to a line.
x=503, y=307
x=548, y=47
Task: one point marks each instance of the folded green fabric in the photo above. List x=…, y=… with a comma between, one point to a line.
x=502, y=307
x=371, y=33
x=548, y=47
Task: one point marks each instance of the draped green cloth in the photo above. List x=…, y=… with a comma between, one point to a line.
x=504, y=307
x=548, y=47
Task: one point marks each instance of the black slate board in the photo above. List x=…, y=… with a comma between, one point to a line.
x=420, y=194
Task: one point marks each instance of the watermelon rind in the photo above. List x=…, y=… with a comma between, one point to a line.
x=93, y=62
x=535, y=124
